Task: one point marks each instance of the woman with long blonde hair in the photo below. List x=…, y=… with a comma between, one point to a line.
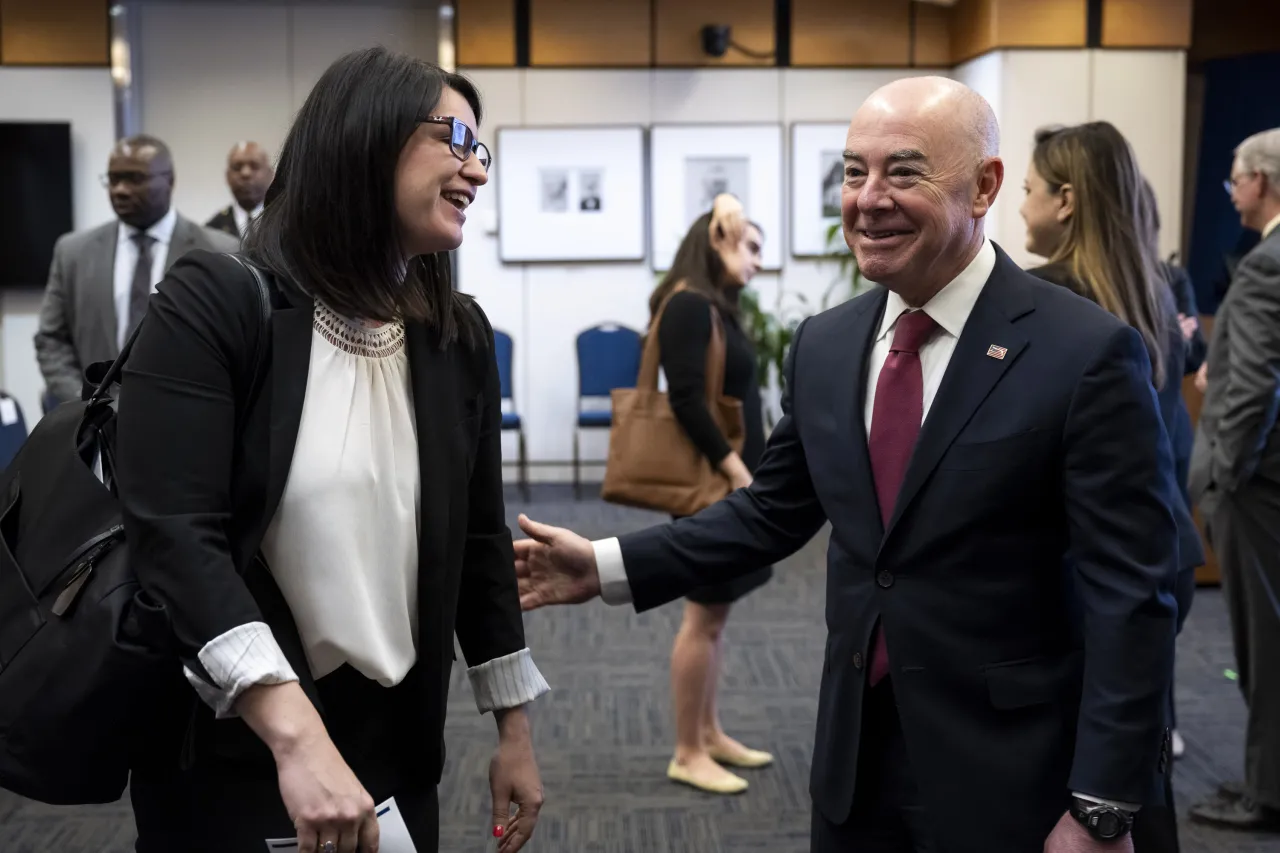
x=1088, y=211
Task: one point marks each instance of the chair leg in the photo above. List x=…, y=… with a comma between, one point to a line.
x=576, y=489
x=524, y=470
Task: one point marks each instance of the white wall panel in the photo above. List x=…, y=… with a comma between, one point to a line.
x=320, y=34
x=209, y=76
x=82, y=96
x=1143, y=93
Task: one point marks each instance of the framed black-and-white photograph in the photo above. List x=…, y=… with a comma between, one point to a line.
x=570, y=193
x=817, y=173
x=691, y=164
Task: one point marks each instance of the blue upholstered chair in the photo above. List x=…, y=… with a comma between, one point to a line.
x=503, y=352
x=13, y=429
x=608, y=358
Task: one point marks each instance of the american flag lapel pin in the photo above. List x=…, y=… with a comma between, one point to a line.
x=996, y=352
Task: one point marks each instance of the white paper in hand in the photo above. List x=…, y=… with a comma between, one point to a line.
x=391, y=828
x=8, y=411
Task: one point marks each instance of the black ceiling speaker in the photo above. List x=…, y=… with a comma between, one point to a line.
x=715, y=39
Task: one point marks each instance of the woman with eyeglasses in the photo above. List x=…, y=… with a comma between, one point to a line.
x=316, y=501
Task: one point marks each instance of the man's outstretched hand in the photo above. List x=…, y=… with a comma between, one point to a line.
x=554, y=566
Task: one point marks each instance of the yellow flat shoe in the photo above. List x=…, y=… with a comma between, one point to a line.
x=749, y=759
x=730, y=784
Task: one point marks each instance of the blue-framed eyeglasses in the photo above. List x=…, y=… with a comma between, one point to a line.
x=462, y=142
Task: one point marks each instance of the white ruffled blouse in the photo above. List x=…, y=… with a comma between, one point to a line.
x=343, y=545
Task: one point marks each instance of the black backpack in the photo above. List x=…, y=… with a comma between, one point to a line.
x=85, y=653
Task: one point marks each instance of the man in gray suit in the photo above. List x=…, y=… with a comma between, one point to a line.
x=101, y=279
x=1235, y=478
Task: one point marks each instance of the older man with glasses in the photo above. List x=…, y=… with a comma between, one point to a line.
x=1235, y=478
x=101, y=279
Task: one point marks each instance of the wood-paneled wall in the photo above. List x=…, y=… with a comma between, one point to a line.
x=677, y=27
x=55, y=32
x=1142, y=23
x=1227, y=28
x=823, y=33
x=846, y=33
x=590, y=33
x=979, y=26
x=485, y=32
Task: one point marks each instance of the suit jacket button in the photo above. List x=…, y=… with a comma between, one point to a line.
x=885, y=579
x=857, y=660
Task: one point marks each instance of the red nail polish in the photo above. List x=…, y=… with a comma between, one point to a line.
x=497, y=831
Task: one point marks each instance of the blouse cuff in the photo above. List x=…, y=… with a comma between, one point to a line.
x=506, y=682
x=237, y=660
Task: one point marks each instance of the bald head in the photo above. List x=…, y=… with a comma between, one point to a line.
x=921, y=172
x=949, y=108
x=249, y=174
x=140, y=180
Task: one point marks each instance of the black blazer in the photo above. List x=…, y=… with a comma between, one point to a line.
x=1025, y=578
x=1173, y=411
x=197, y=500
x=224, y=220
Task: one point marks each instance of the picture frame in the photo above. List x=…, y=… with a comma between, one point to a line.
x=690, y=164
x=572, y=193
x=817, y=173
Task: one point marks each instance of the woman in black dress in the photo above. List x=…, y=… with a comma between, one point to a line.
x=1086, y=211
x=719, y=255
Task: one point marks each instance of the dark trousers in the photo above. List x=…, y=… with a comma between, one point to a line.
x=886, y=816
x=222, y=804
x=1244, y=530
x=1185, y=594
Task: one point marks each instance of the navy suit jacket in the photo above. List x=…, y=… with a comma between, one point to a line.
x=1024, y=579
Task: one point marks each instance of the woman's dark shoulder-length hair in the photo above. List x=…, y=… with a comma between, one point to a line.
x=330, y=223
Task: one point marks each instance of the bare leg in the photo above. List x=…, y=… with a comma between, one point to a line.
x=692, y=664
x=723, y=748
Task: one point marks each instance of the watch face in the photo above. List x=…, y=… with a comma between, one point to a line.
x=1107, y=824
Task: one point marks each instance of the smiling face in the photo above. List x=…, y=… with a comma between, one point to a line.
x=917, y=183
x=433, y=187
x=1045, y=210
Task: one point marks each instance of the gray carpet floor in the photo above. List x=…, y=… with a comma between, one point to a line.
x=604, y=734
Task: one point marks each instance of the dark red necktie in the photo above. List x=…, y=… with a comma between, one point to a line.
x=895, y=424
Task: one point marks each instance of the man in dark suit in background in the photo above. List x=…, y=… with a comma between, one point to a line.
x=249, y=173
x=101, y=279
x=1235, y=478
x=999, y=579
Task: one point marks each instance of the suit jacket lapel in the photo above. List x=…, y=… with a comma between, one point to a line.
x=970, y=375
x=182, y=241
x=102, y=283
x=435, y=414
x=851, y=399
x=291, y=329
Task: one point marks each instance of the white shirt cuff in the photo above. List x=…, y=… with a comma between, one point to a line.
x=1129, y=807
x=506, y=682
x=237, y=660
x=614, y=587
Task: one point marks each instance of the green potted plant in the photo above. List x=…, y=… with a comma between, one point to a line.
x=772, y=331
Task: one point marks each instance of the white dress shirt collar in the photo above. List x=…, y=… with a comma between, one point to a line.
x=244, y=217
x=161, y=231
x=1269, y=227
x=951, y=306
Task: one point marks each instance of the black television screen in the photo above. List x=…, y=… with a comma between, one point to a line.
x=35, y=198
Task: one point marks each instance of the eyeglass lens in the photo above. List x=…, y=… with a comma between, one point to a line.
x=464, y=143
